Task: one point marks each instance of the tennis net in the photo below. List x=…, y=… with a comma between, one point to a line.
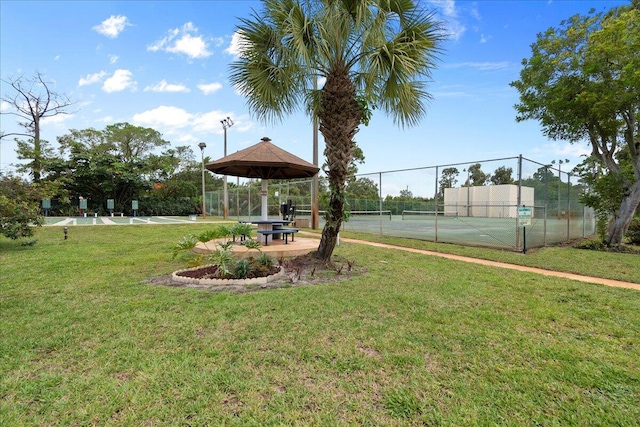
x=352, y=214
x=410, y=214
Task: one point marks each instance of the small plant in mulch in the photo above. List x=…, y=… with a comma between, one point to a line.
x=223, y=265
x=244, y=268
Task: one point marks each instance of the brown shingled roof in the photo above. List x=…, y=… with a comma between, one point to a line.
x=263, y=160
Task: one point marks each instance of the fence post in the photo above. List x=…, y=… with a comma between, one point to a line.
x=568, y=206
x=519, y=202
x=546, y=203
x=380, y=204
x=249, y=203
x=437, y=197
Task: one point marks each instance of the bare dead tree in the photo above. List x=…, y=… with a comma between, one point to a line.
x=31, y=101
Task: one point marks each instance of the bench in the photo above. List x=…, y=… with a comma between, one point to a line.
x=284, y=231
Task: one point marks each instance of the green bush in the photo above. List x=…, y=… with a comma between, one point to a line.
x=150, y=206
x=633, y=233
x=19, y=208
x=591, y=244
x=241, y=269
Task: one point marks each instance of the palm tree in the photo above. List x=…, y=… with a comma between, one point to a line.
x=372, y=53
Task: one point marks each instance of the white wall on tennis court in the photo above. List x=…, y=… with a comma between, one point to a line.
x=491, y=201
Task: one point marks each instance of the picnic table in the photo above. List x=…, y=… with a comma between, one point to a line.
x=271, y=228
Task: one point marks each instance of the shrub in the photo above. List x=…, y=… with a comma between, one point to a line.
x=223, y=258
x=265, y=260
x=633, y=232
x=241, y=269
x=240, y=229
x=18, y=208
x=591, y=244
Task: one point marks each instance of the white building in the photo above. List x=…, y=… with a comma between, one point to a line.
x=491, y=201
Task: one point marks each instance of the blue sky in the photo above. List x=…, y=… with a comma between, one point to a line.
x=164, y=64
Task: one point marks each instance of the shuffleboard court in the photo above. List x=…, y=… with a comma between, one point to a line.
x=117, y=220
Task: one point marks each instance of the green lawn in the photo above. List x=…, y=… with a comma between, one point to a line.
x=417, y=340
x=608, y=265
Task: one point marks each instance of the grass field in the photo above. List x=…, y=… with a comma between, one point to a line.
x=417, y=340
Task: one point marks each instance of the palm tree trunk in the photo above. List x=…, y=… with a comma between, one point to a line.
x=339, y=117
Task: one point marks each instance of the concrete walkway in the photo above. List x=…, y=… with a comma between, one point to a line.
x=571, y=276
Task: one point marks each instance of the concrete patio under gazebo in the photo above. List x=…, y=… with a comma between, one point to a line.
x=277, y=249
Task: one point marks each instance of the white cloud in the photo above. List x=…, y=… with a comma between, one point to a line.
x=184, y=125
x=55, y=58
x=91, y=78
x=192, y=46
x=448, y=7
x=235, y=46
x=482, y=66
x=187, y=137
x=209, y=122
x=209, y=88
x=185, y=40
x=121, y=80
x=165, y=117
x=4, y=106
x=163, y=86
x=454, y=27
x=112, y=26
x=113, y=59
x=565, y=149
x=55, y=120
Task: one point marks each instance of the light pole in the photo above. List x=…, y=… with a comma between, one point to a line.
x=226, y=124
x=560, y=162
x=202, y=146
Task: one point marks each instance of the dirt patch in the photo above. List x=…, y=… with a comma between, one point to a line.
x=304, y=270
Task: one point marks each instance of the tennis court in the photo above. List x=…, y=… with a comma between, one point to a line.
x=453, y=228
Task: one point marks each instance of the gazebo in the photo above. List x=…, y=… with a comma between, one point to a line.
x=266, y=161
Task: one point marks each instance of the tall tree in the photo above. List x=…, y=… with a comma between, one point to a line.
x=502, y=175
x=32, y=101
x=476, y=177
x=582, y=84
x=362, y=188
x=448, y=179
x=119, y=162
x=372, y=53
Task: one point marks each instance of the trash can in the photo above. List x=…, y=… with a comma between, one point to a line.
x=302, y=223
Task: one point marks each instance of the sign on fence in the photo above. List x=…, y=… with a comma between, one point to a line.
x=524, y=216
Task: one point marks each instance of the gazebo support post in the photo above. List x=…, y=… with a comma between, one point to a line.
x=263, y=192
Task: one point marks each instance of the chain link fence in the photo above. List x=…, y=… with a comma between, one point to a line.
x=470, y=203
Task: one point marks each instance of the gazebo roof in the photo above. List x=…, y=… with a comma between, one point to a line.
x=263, y=160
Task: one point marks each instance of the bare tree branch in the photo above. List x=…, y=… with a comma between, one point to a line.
x=33, y=100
